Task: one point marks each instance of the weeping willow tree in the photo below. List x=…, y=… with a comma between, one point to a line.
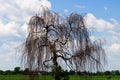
x=52, y=37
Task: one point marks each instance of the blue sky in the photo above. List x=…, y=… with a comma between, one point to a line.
x=102, y=16
x=87, y=6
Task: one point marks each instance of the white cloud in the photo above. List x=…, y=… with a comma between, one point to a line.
x=24, y=29
x=99, y=24
x=92, y=38
x=14, y=16
x=8, y=62
x=9, y=57
x=46, y=3
x=113, y=62
x=80, y=6
x=115, y=22
x=9, y=29
x=113, y=56
x=113, y=32
x=21, y=10
x=110, y=31
x=114, y=36
x=65, y=10
x=15, y=13
x=105, y=8
x=115, y=48
x=115, y=39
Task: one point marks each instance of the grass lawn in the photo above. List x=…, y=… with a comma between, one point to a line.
x=48, y=77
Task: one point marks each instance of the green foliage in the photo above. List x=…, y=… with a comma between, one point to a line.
x=107, y=72
x=116, y=72
x=61, y=74
x=8, y=72
x=71, y=72
x=17, y=70
x=26, y=71
x=48, y=77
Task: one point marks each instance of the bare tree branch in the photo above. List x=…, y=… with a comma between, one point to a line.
x=50, y=36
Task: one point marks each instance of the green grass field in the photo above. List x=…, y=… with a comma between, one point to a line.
x=21, y=77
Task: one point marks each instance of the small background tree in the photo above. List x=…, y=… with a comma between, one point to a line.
x=17, y=70
x=52, y=37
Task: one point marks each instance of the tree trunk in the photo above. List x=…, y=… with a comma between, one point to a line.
x=56, y=73
x=34, y=75
x=55, y=64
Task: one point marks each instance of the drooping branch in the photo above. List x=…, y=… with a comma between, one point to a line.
x=50, y=36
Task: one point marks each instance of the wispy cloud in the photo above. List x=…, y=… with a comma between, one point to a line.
x=105, y=8
x=65, y=10
x=100, y=24
x=80, y=6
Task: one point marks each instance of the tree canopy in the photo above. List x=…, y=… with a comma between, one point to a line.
x=52, y=37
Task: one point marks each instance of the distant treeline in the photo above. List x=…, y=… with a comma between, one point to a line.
x=18, y=71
